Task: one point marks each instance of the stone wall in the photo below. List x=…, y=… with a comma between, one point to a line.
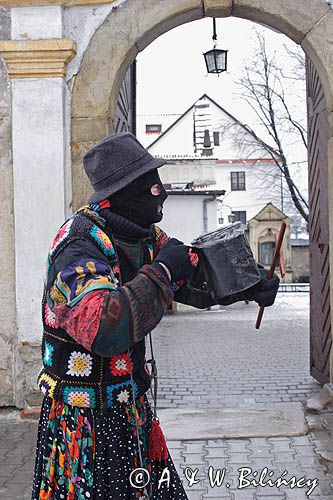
x=7, y=261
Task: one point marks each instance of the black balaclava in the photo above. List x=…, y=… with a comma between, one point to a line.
x=141, y=201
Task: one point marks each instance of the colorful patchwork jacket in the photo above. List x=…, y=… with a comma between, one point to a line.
x=94, y=326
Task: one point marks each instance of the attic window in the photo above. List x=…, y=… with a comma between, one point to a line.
x=153, y=129
x=216, y=136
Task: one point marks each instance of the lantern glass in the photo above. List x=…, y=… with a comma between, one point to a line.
x=216, y=60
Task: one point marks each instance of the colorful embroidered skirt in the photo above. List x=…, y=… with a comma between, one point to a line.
x=84, y=453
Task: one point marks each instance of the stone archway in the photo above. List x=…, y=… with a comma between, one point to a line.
x=130, y=27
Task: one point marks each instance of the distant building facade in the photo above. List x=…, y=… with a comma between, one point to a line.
x=243, y=168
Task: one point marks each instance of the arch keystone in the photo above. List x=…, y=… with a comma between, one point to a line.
x=217, y=8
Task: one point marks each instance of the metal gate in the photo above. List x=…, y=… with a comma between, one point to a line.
x=320, y=310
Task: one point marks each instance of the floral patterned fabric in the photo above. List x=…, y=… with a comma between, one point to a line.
x=89, y=454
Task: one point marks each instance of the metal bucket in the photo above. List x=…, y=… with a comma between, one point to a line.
x=226, y=260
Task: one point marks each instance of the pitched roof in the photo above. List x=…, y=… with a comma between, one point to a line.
x=244, y=126
x=269, y=206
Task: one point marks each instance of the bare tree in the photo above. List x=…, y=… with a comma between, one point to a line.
x=263, y=87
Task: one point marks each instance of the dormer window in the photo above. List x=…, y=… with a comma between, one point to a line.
x=153, y=128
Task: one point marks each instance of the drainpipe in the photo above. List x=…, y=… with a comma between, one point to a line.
x=205, y=201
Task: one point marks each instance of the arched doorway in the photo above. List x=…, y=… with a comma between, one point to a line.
x=129, y=29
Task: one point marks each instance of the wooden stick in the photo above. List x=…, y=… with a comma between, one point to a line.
x=272, y=268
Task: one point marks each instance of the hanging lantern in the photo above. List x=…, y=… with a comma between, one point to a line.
x=216, y=59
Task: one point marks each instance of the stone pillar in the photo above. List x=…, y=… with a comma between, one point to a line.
x=7, y=260
x=41, y=189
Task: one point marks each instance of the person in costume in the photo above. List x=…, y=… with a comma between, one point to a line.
x=111, y=273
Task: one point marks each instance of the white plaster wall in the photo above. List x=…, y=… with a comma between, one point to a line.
x=179, y=141
x=80, y=24
x=200, y=171
x=39, y=180
x=36, y=22
x=183, y=216
x=259, y=188
x=67, y=153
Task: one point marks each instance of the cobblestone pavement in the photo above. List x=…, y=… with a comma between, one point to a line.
x=214, y=359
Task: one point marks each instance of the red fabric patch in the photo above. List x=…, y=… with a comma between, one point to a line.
x=104, y=203
x=119, y=365
x=82, y=320
x=160, y=242
x=194, y=258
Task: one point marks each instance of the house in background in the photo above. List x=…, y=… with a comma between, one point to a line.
x=189, y=212
x=207, y=145
x=191, y=208
x=263, y=230
x=243, y=168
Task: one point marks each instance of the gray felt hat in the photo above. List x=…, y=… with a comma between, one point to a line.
x=115, y=162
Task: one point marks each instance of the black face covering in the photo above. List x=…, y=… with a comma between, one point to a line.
x=140, y=202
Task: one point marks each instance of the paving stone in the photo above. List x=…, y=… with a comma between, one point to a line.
x=297, y=495
x=18, y=490
x=293, y=469
x=269, y=496
x=304, y=451
x=218, y=451
x=216, y=495
x=280, y=445
x=242, y=494
x=191, y=459
x=194, y=447
x=20, y=477
x=217, y=463
x=238, y=458
x=8, y=470
x=239, y=445
x=283, y=456
x=258, y=464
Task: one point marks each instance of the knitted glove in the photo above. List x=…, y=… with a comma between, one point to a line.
x=265, y=291
x=175, y=255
